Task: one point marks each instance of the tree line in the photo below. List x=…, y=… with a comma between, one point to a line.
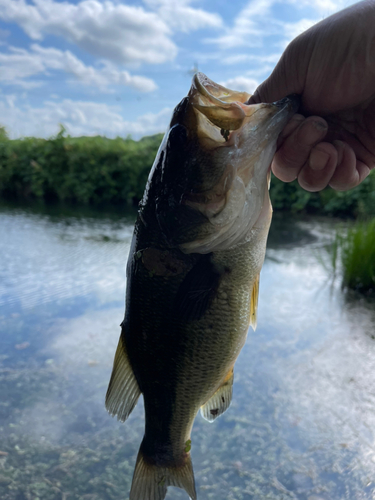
x=98, y=170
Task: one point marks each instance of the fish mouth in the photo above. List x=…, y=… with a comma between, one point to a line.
x=220, y=112
x=241, y=140
x=237, y=134
x=223, y=107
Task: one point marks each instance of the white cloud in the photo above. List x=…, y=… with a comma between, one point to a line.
x=27, y=84
x=180, y=16
x=79, y=118
x=324, y=7
x=241, y=83
x=292, y=30
x=10, y=99
x=117, y=32
x=246, y=30
x=107, y=75
x=257, y=20
x=255, y=68
x=235, y=59
x=19, y=64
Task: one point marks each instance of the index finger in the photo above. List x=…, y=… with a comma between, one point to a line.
x=295, y=149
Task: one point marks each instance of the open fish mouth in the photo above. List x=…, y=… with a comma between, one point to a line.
x=222, y=111
x=242, y=140
x=222, y=107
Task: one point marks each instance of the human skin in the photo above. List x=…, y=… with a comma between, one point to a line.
x=332, y=67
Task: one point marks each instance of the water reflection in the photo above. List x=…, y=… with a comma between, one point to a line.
x=302, y=420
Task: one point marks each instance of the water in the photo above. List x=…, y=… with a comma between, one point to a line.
x=302, y=422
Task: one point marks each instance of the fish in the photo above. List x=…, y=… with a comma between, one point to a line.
x=193, y=275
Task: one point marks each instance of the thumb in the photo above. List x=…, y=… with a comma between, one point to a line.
x=274, y=88
x=265, y=92
x=284, y=80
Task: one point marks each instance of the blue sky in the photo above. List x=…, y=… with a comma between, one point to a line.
x=119, y=67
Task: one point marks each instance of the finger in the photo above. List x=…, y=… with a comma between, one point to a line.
x=295, y=150
x=316, y=174
x=255, y=98
x=349, y=172
x=289, y=128
x=363, y=171
x=363, y=153
x=288, y=76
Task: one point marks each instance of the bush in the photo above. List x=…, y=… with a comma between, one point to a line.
x=94, y=170
x=86, y=170
x=357, y=202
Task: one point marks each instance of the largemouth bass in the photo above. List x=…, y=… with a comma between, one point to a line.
x=193, y=275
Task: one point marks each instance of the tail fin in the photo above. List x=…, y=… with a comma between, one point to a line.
x=150, y=481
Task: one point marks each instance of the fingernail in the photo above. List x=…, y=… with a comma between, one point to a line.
x=363, y=170
x=340, y=146
x=311, y=132
x=318, y=159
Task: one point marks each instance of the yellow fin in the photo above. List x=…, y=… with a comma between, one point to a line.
x=254, y=303
x=220, y=401
x=150, y=481
x=123, y=391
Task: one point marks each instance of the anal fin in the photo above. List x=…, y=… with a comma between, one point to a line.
x=220, y=401
x=254, y=303
x=123, y=391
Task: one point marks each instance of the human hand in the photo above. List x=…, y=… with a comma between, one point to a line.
x=332, y=67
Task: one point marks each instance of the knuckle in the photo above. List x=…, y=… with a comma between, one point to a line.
x=288, y=157
x=312, y=180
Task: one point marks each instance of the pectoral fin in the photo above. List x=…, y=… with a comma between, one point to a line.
x=254, y=303
x=196, y=291
x=123, y=391
x=220, y=401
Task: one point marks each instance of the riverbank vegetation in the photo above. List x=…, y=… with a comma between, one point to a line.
x=353, y=252
x=97, y=170
x=83, y=170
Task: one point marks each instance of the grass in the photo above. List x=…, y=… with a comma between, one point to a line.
x=355, y=251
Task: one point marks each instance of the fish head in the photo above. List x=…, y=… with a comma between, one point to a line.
x=210, y=179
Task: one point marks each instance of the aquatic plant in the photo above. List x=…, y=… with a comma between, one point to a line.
x=354, y=251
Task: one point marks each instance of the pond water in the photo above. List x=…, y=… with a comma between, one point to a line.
x=302, y=421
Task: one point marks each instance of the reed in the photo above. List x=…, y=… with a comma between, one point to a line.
x=354, y=250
